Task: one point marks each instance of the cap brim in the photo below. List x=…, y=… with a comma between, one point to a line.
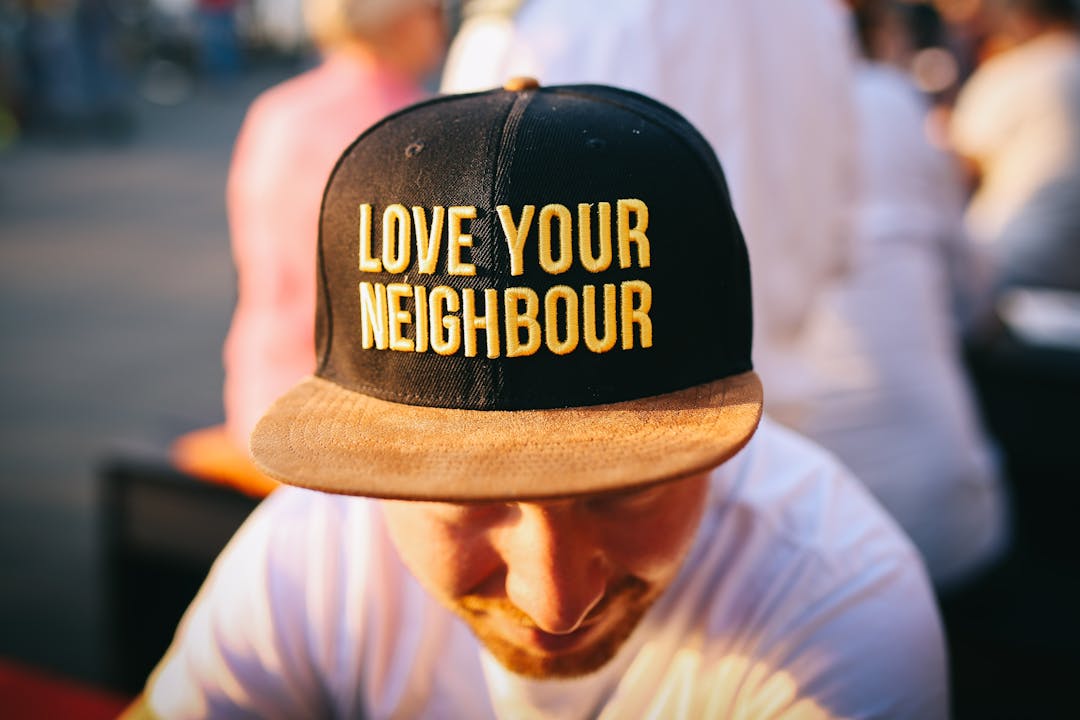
x=322, y=436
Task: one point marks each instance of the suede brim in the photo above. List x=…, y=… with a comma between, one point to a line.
x=324, y=437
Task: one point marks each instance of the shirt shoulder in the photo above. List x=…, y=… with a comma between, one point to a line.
x=260, y=638
x=812, y=589
x=803, y=495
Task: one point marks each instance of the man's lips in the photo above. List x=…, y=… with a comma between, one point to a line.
x=529, y=636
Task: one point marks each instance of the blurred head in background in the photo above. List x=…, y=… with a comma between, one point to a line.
x=409, y=35
x=378, y=57
x=882, y=31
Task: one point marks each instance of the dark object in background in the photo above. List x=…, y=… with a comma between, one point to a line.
x=163, y=529
x=1014, y=634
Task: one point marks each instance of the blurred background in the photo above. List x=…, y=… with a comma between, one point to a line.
x=116, y=282
x=117, y=285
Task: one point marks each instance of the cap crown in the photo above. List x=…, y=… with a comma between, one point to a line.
x=553, y=247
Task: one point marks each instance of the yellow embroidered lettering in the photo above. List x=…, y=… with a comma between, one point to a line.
x=635, y=234
x=397, y=317
x=420, y=298
x=592, y=341
x=516, y=320
x=443, y=300
x=551, y=319
x=427, y=239
x=368, y=263
x=489, y=321
x=457, y=240
x=516, y=234
x=437, y=325
x=636, y=314
x=566, y=255
x=396, y=230
x=601, y=262
x=373, y=320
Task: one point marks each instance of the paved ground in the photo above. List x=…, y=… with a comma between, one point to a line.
x=115, y=291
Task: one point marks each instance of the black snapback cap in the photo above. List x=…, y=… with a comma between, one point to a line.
x=524, y=293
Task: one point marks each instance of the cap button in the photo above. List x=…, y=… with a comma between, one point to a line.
x=520, y=83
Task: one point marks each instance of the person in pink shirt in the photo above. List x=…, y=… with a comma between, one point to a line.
x=376, y=54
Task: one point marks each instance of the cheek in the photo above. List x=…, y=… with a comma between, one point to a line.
x=654, y=551
x=444, y=559
x=653, y=547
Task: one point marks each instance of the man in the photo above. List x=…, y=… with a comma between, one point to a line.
x=533, y=335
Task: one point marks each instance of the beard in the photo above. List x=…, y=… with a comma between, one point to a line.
x=616, y=616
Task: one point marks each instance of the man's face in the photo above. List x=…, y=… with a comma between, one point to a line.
x=551, y=588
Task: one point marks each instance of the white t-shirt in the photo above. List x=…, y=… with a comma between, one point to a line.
x=799, y=599
x=768, y=83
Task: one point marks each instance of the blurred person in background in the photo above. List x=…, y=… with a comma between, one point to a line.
x=376, y=56
x=72, y=80
x=898, y=409
x=1017, y=120
x=53, y=87
x=219, y=44
x=12, y=71
x=742, y=72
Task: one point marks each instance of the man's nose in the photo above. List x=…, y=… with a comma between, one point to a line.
x=555, y=571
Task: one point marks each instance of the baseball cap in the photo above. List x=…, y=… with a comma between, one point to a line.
x=525, y=293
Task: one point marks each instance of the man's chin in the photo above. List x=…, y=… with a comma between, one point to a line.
x=551, y=664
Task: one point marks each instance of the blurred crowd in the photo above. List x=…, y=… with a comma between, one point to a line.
x=73, y=69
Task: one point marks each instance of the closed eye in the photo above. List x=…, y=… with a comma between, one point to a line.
x=627, y=501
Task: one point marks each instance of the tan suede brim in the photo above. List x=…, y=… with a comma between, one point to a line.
x=324, y=437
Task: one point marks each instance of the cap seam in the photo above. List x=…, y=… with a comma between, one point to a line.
x=657, y=116
x=503, y=158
